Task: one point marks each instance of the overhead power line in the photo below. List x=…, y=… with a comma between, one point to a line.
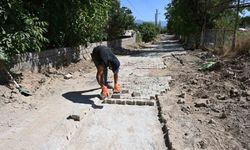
x=134, y=8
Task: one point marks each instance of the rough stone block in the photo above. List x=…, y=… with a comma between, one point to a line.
x=140, y=103
x=68, y=76
x=163, y=92
x=116, y=96
x=113, y=102
x=152, y=97
x=182, y=95
x=74, y=117
x=221, y=97
x=150, y=103
x=120, y=102
x=201, y=103
x=248, y=99
x=135, y=94
x=130, y=102
x=156, y=96
x=125, y=91
x=181, y=101
x=107, y=101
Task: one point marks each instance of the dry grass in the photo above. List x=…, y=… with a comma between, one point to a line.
x=243, y=42
x=242, y=45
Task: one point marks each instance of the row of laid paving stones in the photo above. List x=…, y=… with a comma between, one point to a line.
x=129, y=102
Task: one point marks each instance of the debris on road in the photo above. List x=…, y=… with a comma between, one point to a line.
x=201, y=103
x=221, y=97
x=210, y=66
x=218, y=89
x=125, y=91
x=201, y=110
x=68, y=76
x=74, y=117
x=180, y=60
x=136, y=94
x=181, y=101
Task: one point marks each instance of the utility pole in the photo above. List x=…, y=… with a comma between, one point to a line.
x=236, y=25
x=156, y=17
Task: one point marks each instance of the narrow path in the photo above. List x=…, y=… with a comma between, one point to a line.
x=102, y=126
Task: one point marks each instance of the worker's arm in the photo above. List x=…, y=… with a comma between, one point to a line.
x=99, y=75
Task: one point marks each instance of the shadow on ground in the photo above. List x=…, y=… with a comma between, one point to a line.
x=140, y=53
x=78, y=97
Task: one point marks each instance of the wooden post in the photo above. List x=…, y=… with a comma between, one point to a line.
x=236, y=25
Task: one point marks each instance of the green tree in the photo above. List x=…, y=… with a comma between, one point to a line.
x=75, y=22
x=32, y=25
x=148, y=31
x=245, y=21
x=225, y=20
x=120, y=19
x=189, y=17
x=20, y=29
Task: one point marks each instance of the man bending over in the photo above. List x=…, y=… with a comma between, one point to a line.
x=104, y=59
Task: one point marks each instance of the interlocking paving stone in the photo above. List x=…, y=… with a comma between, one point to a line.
x=129, y=102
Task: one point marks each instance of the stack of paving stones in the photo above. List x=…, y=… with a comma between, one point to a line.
x=140, y=91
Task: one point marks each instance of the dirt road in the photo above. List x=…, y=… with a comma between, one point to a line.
x=102, y=126
x=166, y=104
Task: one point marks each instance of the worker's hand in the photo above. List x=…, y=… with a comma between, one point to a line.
x=117, y=88
x=104, y=91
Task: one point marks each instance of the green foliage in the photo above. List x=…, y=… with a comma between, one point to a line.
x=72, y=23
x=21, y=31
x=120, y=19
x=188, y=17
x=148, y=31
x=31, y=25
x=138, y=37
x=181, y=15
x=164, y=30
x=245, y=21
x=225, y=20
x=87, y=22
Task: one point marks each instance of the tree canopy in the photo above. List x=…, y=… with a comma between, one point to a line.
x=33, y=25
x=148, y=31
x=188, y=17
x=120, y=19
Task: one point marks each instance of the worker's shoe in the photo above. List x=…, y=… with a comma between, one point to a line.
x=104, y=93
x=117, y=89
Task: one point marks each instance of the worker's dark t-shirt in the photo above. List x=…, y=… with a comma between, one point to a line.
x=103, y=55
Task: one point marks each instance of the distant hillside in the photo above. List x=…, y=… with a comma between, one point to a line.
x=163, y=23
x=139, y=21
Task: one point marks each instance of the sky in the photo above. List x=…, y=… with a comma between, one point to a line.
x=145, y=9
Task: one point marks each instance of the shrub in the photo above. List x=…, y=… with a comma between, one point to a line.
x=20, y=31
x=148, y=31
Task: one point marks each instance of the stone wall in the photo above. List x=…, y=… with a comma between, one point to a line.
x=42, y=61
